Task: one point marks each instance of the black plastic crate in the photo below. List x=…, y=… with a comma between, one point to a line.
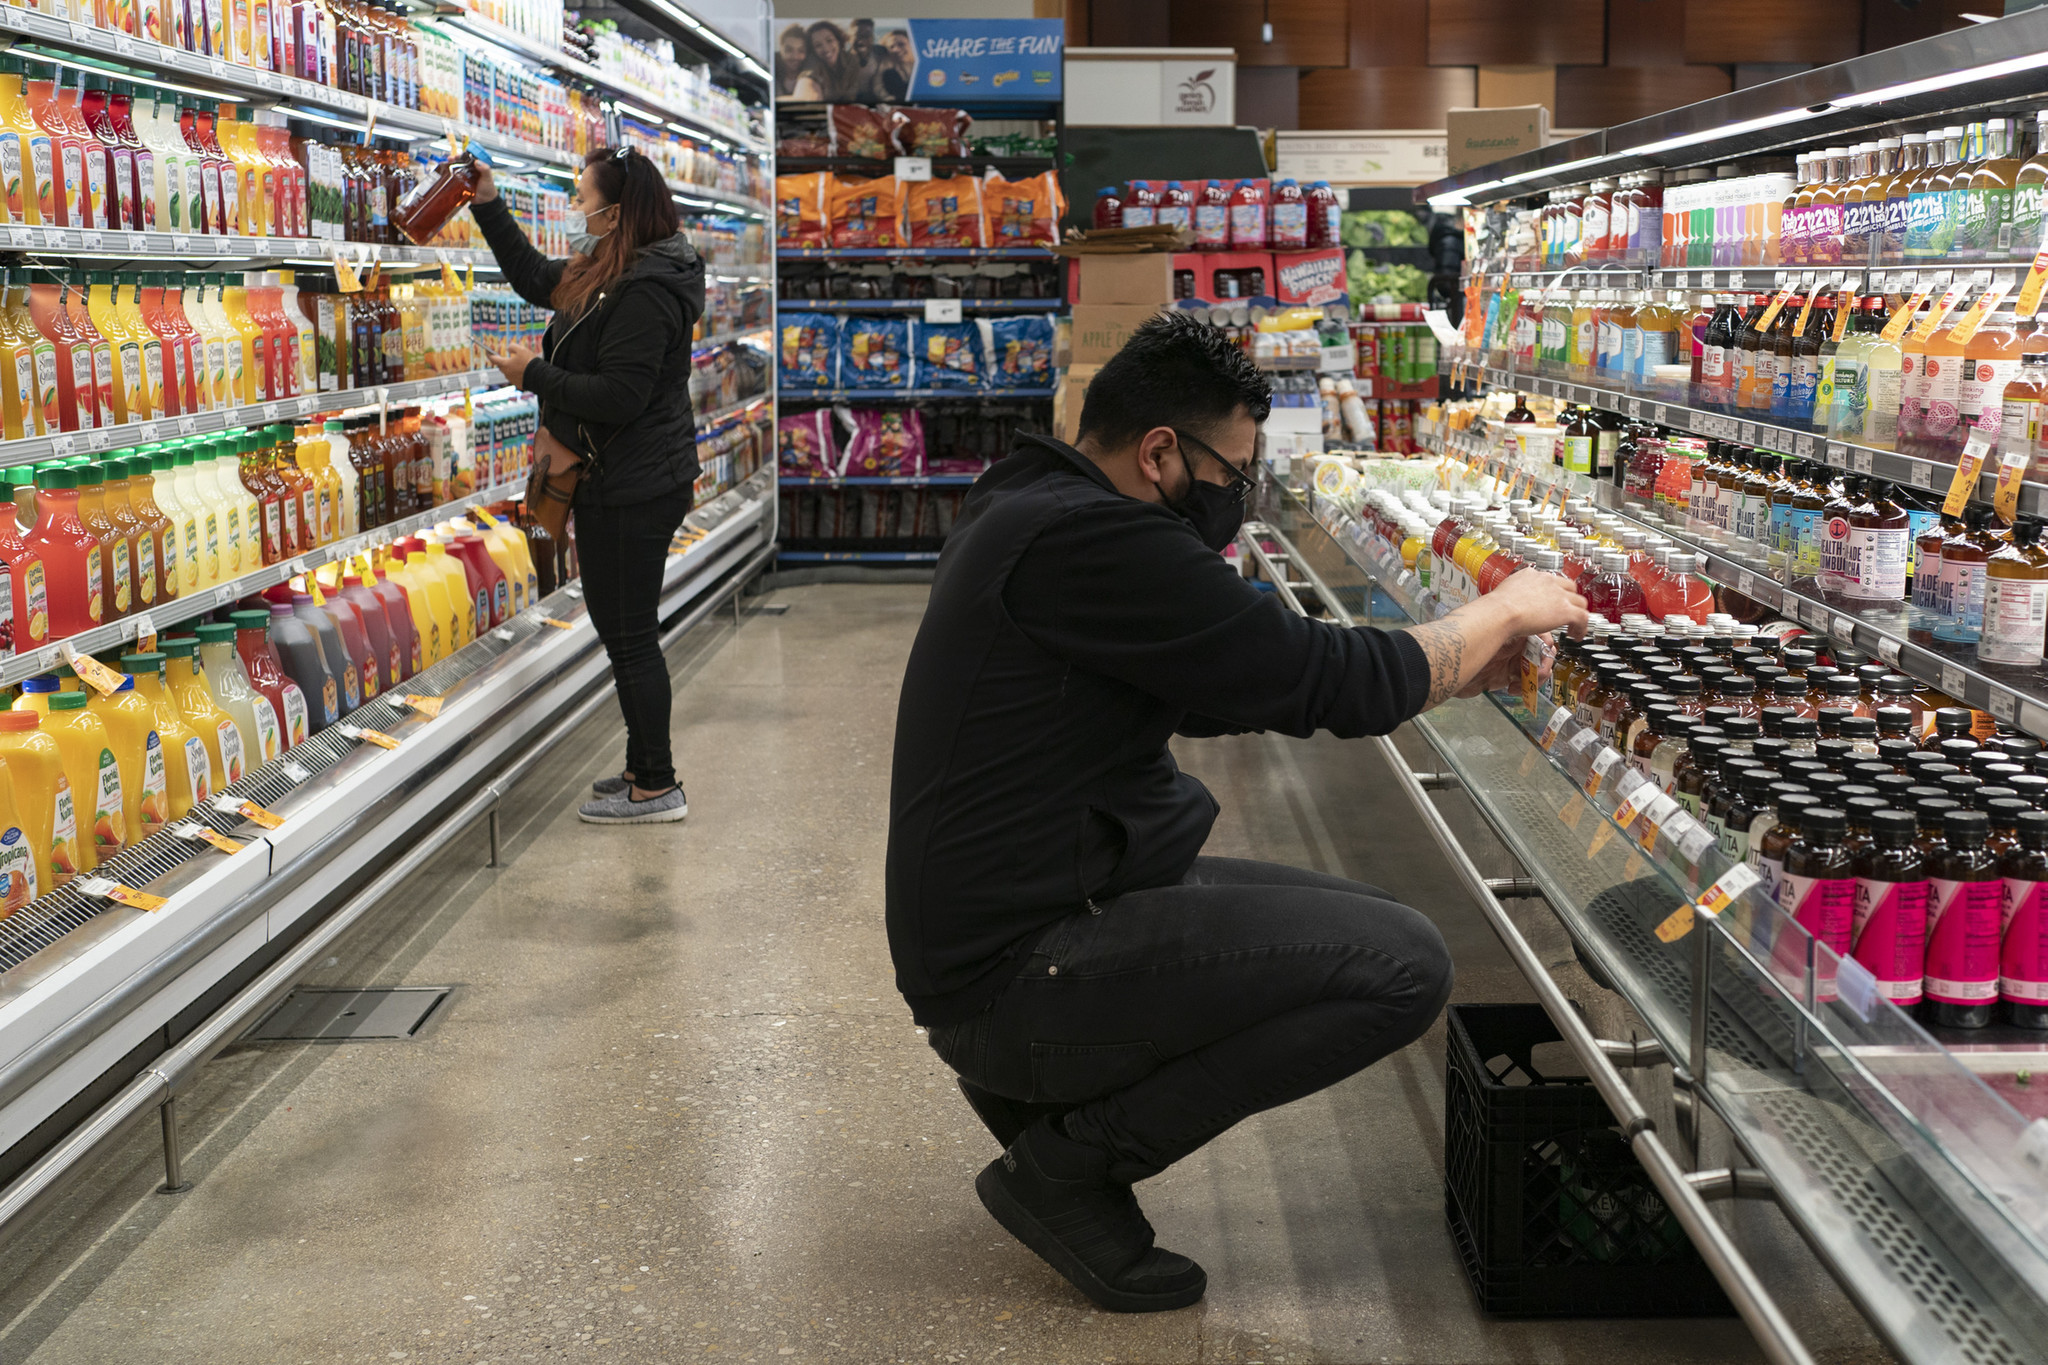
x=1552, y=1213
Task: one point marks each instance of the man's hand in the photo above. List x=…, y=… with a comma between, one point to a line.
x=1474, y=648
x=1501, y=670
x=1541, y=602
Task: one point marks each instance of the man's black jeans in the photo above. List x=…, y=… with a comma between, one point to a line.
x=1168, y=1015
x=623, y=552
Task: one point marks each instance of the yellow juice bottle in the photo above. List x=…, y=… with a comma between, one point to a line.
x=124, y=350
x=241, y=549
x=199, y=536
x=322, y=451
x=178, y=521
x=223, y=349
x=216, y=729
x=19, y=134
x=246, y=365
x=150, y=346
x=42, y=798
x=19, y=874
x=457, y=585
x=139, y=752
x=507, y=548
x=237, y=140
x=426, y=637
x=188, y=768
x=18, y=410
x=94, y=774
x=431, y=585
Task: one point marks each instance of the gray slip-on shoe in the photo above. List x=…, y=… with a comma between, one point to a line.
x=609, y=786
x=622, y=809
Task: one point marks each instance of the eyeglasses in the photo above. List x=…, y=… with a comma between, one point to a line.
x=1240, y=484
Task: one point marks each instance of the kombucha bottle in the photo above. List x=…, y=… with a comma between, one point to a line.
x=1889, y=935
x=2016, y=599
x=1964, y=920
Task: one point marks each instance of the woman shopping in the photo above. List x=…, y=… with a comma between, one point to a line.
x=613, y=383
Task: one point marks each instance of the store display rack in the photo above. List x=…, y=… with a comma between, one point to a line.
x=913, y=253
x=1906, y=1171
x=196, y=248
x=759, y=329
x=890, y=395
x=901, y=481
x=858, y=556
x=918, y=305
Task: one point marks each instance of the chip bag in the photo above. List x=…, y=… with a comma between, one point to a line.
x=806, y=445
x=1019, y=351
x=801, y=205
x=864, y=212
x=929, y=132
x=1022, y=212
x=887, y=443
x=808, y=346
x=950, y=356
x=874, y=353
x=857, y=130
x=942, y=212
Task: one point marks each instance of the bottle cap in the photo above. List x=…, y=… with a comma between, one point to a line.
x=67, y=701
x=1968, y=828
x=148, y=661
x=1896, y=828
x=217, y=632
x=2032, y=829
x=248, y=620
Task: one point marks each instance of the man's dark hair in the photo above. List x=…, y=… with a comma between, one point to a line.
x=1175, y=371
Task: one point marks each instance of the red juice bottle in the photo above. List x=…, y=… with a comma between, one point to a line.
x=226, y=175
x=1612, y=593
x=112, y=173
x=58, y=159
x=1176, y=206
x=1212, y=217
x=1109, y=208
x=1288, y=215
x=266, y=673
x=137, y=191
x=1141, y=205
x=70, y=554
x=1687, y=595
x=92, y=191
x=77, y=396
x=1325, y=216
x=1248, y=217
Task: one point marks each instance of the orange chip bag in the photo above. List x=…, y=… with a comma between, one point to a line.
x=1021, y=212
x=800, y=205
x=864, y=212
x=943, y=212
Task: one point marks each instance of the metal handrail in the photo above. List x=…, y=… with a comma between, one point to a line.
x=159, y=1085
x=1773, y=1332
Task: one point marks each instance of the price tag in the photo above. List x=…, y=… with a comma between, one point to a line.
x=248, y=810
x=345, y=275
x=1728, y=888
x=2003, y=705
x=1745, y=583
x=1953, y=681
x=218, y=67
x=188, y=426
x=1778, y=302
x=1920, y=475
x=1802, y=445
x=1657, y=415
x=913, y=168
x=1692, y=838
x=1682, y=280
x=81, y=32
x=1856, y=987
x=222, y=246
x=1843, y=308
x=502, y=633
x=145, y=633
x=1604, y=764
x=942, y=310
x=1635, y=407
x=1632, y=805
x=1896, y=328
x=1654, y=815
x=296, y=773
x=376, y=737
x=557, y=623
x=114, y=891
x=1888, y=650
x=89, y=240
x=574, y=591
x=145, y=432
x=103, y=680
x=1964, y=485
x=1805, y=307
x=1966, y=327
x=1553, y=727
x=63, y=445
x=1860, y=460
x=426, y=706
x=1949, y=297
x=1748, y=433
x=1844, y=630
x=202, y=834
x=21, y=236
x=180, y=243
x=2012, y=468
x=138, y=243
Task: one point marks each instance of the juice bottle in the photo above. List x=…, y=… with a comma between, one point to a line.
x=250, y=362
x=69, y=552
x=227, y=679
x=111, y=168
x=266, y=672
x=42, y=798
x=266, y=532
x=93, y=772
x=127, y=391
x=1939, y=410
x=300, y=645
x=509, y=548
x=2028, y=180
x=28, y=585
x=1965, y=555
x=157, y=540
x=384, y=665
x=1923, y=198
x=243, y=529
x=130, y=721
x=494, y=592
x=215, y=728
x=1986, y=234
x=217, y=176
x=117, y=500
x=178, y=562
x=90, y=191
x=98, y=348
x=470, y=592
x=18, y=135
x=20, y=347
x=1991, y=360
x=163, y=355
x=1289, y=215
x=1891, y=246
x=1248, y=217
x=1889, y=934
x=1963, y=923
x=427, y=639
x=2015, y=599
x=302, y=375
x=1817, y=887
x=115, y=548
x=51, y=150
x=448, y=602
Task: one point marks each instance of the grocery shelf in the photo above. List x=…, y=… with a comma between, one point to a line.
x=1998, y=61
x=864, y=165
x=1910, y=470
x=33, y=448
x=717, y=415
x=736, y=274
x=759, y=329
x=917, y=305
x=858, y=556
x=193, y=248
x=914, y=253
x=1897, y=278
x=866, y=395
x=903, y=481
x=717, y=201
x=1901, y=1167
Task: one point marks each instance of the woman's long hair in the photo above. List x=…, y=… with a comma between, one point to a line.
x=646, y=215
x=839, y=79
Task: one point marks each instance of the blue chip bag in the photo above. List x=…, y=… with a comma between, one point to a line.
x=807, y=348
x=874, y=353
x=950, y=356
x=1019, y=351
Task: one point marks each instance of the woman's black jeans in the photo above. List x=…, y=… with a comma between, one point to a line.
x=1168, y=1015
x=623, y=552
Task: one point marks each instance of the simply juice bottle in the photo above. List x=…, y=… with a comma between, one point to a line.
x=188, y=767
x=225, y=752
x=117, y=498
x=114, y=545
x=18, y=134
x=128, y=391
x=20, y=413
x=28, y=584
x=69, y=552
x=139, y=754
x=68, y=356
x=255, y=355
x=156, y=542
x=180, y=564
x=149, y=350
x=100, y=350
x=242, y=530
x=94, y=773
x=110, y=168
x=164, y=354
x=56, y=159
x=88, y=207
x=255, y=710
x=256, y=642
x=138, y=190
x=42, y=798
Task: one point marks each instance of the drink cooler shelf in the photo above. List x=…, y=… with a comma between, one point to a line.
x=796, y=395
x=193, y=247
x=1893, y=278
x=917, y=305
x=15, y=667
x=2017, y=697
x=33, y=448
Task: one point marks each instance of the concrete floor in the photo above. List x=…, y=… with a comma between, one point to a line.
x=676, y=1110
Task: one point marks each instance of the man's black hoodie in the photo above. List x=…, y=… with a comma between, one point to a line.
x=615, y=380
x=1071, y=632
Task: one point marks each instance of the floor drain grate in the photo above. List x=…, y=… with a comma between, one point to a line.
x=347, y=1015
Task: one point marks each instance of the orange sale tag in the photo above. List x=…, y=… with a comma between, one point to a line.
x=2030, y=292
x=206, y=835
x=557, y=623
x=1964, y=485
x=1966, y=326
x=249, y=811
x=1940, y=310
x=1805, y=312
x=426, y=706
x=114, y=891
x=1726, y=891
x=376, y=737
x=1896, y=328
x=1778, y=302
x=1842, y=311
x=2006, y=498
x=104, y=680
x=1677, y=926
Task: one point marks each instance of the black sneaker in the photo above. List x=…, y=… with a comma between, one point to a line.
x=1003, y=1116
x=1054, y=1195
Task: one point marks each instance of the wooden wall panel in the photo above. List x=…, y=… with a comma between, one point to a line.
x=1384, y=96
x=1269, y=97
x=1817, y=31
x=1305, y=32
x=1887, y=24
x=1389, y=33
x=1650, y=32
x=1601, y=96
x=1516, y=32
x=1130, y=23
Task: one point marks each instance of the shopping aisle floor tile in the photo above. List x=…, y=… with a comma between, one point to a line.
x=676, y=1110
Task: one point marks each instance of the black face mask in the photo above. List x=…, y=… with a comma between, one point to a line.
x=1216, y=512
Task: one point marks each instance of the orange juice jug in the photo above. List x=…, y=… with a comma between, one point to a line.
x=70, y=554
x=433, y=615
x=247, y=364
x=163, y=357
x=117, y=498
x=187, y=765
x=56, y=159
x=99, y=348
x=157, y=543
x=114, y=546
x=94, y=774
x=139, y=756
x=149, y=351
x=70, y=356
x=17, y=370
x=18, y=134
x=19, y=873
x=42, y=798
x=216, y=729
x=130, y=390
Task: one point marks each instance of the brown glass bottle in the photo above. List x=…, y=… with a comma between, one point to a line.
x=1704, y=752
x=1770, y=847
x=1891, y=906
x=2023, y=973
x=1963, y=924
x=1815, y=885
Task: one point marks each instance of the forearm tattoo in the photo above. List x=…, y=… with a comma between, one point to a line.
x=1444, y=644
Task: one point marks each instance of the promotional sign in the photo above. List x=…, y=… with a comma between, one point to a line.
x=933, y=61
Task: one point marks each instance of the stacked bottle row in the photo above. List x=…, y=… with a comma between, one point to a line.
x=1972, y=192
x=84, y=352
x=1905, y=835
x=92, y=540
x=85, y=773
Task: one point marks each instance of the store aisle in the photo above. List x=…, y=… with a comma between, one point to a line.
x=675, y=1110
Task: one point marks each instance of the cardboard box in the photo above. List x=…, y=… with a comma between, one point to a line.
x=1207, y=265
x=1101, y=329
x=1475, y=137
x=1067, y=398
x=1309, y=277
x=1146, y=277
x=1504, y=87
